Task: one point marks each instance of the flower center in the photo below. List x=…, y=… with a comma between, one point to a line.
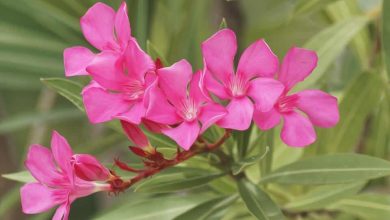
x=189, y=110
x=134, y=90
x=237, y=86
x=286, y=103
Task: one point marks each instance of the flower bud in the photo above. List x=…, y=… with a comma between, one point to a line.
x=88, y=168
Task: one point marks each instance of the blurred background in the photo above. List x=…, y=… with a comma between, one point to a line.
x=347, y=35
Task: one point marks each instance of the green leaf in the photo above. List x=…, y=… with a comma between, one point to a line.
x=329, y=43
x=330, y=169
x=161, y=208
x=205, y=210
x=18, y=122
x=258, y=202
x=67, y=88
x=365, y=206
x=241, y=165
x=322, y=196
x=155, y=53
x=386, y=33
x=22, y=176
x=175, y=182
x=360, y=99
x=223, y=24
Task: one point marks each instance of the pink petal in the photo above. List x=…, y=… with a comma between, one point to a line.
x=135, y=114
x=62, y=212
x=40, y=163
x=185, y=134
x=62, y=153
x=102, y=106
x=106, y=69
x=88, y=168
x=265, y=92
x=321, y=107
x=135, y=134
x=122, y=25
x=196, y=93
x=218, y=52
x=296, y=66
x=266, y=120
x=239, y=116
x=159, y=109
x=138, y=62
x=297, y=130
x=37, y=198
x=76, y=59
x=258, y=60
x=173, y=81
x=153, y=126
x=211, y=113
x=209, y=84
x=98, y=26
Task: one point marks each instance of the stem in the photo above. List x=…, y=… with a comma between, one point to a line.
x=153, y=167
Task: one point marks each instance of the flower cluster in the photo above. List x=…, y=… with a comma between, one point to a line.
x=128, y=85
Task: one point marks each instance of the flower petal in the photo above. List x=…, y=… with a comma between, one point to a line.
x=87, y=167
x=62, y=212
x=239, y=116
x=258, y=60
x=218, y=52
x=37, y=198
x=207, y=82
x=173, y=81
x=135, y=134
x=195, y=92
x=297, y=130
x=106, y=69
x=62, y=153
x=211, y=113
x=122, y=25
x=102, y=106
x=138, y=62
x=321, y=107
x=159, y=109
x=40, y=163
x=266, y=120
x=296, y=66
x=135, y=114
x=98, y=26
x=265, y=92
x=76, y=59
x=185, y=134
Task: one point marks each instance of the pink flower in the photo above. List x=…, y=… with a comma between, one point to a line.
x=119, y=85
x=321, y=108
x=180, y=102
x=105, y=30
x=250, y=87
x=58, y=183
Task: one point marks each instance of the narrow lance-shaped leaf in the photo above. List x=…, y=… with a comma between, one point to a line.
x=22, y=176
x=173, y=183
x=329, y=43
x=365, y=206
x=205, y=210
x=67, y=88
x=258, y=202
x=322, y=196
x=241, y=165
x=330, y=169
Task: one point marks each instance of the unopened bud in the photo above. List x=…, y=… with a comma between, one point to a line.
x=88, y=168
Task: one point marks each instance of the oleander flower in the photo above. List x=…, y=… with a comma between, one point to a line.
x=250, y=87
x=59, y=183
x=320, y=108
x=178, y=101
x=103, y=28
x=119, y=85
